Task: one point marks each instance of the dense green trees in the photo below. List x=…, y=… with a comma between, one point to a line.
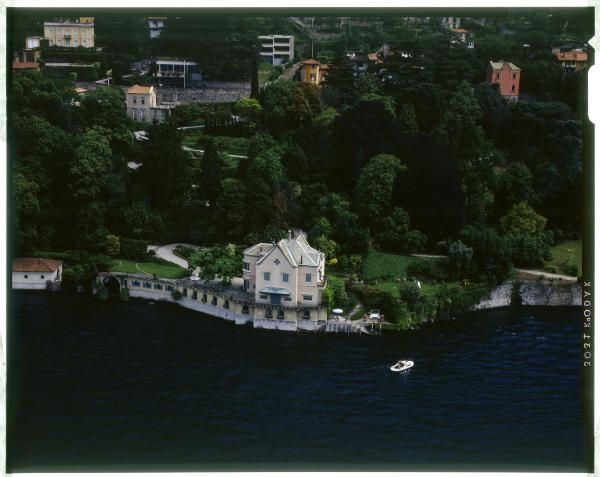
x=416, y=155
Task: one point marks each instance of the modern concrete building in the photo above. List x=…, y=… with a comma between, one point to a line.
x=289, y=272
x=277, y=49
x=178, y=72
x=32, y=42
x=36, y=274
x=70, y=33
x=156, y=26
x=142, y=104
x=450, y=22
x=507, y=76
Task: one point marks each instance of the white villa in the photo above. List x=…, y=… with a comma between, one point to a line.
x=36, y=274
x=289, y=272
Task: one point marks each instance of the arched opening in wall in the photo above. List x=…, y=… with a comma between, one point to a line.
x=112, y=284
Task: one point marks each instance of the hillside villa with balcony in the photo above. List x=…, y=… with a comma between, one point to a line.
x=289, y=272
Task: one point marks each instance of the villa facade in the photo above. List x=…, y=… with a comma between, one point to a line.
x=70, y=33
x=283, y=288
x=142, y=104
x=289, y=272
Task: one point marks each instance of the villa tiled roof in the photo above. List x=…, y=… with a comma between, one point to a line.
x=35, y=265
x=571, y=56
x=498, y=65
x=297, y=251
x=25, y=65
x=311, y=62
x=136, y=89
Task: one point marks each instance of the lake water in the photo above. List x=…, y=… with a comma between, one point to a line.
x=135, y=386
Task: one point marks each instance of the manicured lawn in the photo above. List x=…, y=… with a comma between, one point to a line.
x=159, y=269
x=566, y=253
x=380, y=265
x=428, y=289
x=196, y=139
x=432, y=288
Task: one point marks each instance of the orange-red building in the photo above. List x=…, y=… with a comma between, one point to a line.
x=507, y=76
x=572, y=60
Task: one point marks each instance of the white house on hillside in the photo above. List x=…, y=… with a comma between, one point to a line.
x=288, y=273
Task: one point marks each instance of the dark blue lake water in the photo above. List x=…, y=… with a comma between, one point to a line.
x=156, y=387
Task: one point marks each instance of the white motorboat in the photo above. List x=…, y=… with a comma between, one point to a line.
x=402, y=365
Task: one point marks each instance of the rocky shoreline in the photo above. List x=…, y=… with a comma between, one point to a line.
x=533, y=293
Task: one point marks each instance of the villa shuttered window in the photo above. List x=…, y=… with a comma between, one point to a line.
x=280, y=315
x=269, y=313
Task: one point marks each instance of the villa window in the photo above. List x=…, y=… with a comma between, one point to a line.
x=185, y=292
x=204, y=299
x=307, y=297
x=135, y=282
x=134, y=100
x=214, y=301
x=195, y=295
x=514, y=75
x=246, y=266
x=42, y=277
x=134, y=113
x=513, y=88
x=158, y=286
x=142, y=114
x=497, y=75
x=287, y=298
x=263, y=297
x=306, y=315
x=245, y=310
x=267, y=276
x=147, y=285
x=169, y=288
x=280, y=315
x=26, y=276
x=308, y=278
x=285, y=277
x=226, y=304
x=143, y=101
x=313, y=77
x=269, y=313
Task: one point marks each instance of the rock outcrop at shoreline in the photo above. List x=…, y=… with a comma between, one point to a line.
x=533, y=293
